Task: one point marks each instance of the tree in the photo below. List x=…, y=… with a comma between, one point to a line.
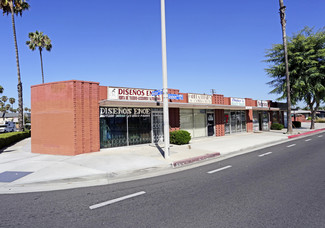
x=37, y=39
x=306, y=52
x=284, y=37
x=1, y=89
x=12, y=101
x=16, y=7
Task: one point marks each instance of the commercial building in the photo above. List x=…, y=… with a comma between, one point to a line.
x=74, y=117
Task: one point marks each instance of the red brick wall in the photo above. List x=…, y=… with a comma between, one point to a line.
x=65, y=117
x=227, y=101
x=219, y=122
x=174, y=121
x=218, y=99
x=249, y=120
x=102, y=92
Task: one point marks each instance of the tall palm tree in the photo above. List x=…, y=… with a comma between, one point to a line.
x=16, y=7
x=37, y=39
x=284, y=37
x=1, y=89
x=12, y=101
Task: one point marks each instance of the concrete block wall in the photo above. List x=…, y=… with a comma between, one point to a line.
x=65, y=117
x=218, y=99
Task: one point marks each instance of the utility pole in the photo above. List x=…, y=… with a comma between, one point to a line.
x=284, y=37
x=164, y=72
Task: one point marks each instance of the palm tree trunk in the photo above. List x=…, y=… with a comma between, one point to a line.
x=40, y=54
x=284, y=36
x=19, y=86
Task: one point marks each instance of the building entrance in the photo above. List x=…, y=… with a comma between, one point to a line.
x=210, y=120
x=157, y=127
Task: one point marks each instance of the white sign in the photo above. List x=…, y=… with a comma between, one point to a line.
x=132, y=94
x=263, y=104
x=199, y=98
x=237, y=101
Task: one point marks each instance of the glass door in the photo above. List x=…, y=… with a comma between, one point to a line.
x=210, y=119
x=227, y=123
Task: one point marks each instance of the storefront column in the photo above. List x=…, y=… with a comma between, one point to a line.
x=219, y=122
x=249, y=120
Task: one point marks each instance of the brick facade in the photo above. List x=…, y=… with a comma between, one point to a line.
x=65, y=117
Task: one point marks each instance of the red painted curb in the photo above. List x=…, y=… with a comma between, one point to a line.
x=305, y=133
x=194, y=159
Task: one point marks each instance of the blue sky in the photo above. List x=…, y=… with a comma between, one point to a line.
x=211, y=44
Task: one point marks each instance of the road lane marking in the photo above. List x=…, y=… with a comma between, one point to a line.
x=262, y=155
x=116, y=200
x=217, y=170
x=307, y=140
x=320, y=136
x=291, y=145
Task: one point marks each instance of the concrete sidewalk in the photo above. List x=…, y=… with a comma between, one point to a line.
x=23, y=171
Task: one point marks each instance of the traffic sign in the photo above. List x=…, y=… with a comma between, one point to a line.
x=175, y=96
x=157, y=92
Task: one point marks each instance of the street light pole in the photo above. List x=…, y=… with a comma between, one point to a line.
x=164, y=72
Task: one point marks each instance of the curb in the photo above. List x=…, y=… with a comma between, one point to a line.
x=305, y=133
x=194, y=159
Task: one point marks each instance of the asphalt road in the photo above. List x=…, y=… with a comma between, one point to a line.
x=279, y=186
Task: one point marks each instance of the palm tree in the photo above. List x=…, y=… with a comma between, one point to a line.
x=37, y=39
x=1, y=89
x=16, y=7
x=4, y=99
x=284, y=37
x=12, y=101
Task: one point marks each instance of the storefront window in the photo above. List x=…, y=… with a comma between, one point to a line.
x=243, y=121
x=124, y=126
x=113, y=131
x=139, y=130
x=237, y=121
x=194, y=121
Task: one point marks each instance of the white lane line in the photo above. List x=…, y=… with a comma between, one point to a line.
x=262, y=155
x=291, y=145
x=116, y=200
x=307, y=140
x=217, y=170
x=320, y=136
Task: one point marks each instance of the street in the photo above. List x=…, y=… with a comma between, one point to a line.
x=278, y=186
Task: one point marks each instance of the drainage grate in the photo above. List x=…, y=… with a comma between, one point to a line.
x=10, y=176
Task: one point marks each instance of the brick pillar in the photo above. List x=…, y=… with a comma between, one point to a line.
x=249, y=120
x=174, y=121
x=65, y=117
x=219, y=122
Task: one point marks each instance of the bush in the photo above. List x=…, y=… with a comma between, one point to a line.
x=296, y=124
x=180, y=137
x=277, y=126
x=6, y=139
x=320, y=121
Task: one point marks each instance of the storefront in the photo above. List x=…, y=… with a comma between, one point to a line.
x=198, y=122
x=125, y=126
x=95, y=116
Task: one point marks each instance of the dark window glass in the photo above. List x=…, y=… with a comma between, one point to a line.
x=139, y=130
x=113, y=131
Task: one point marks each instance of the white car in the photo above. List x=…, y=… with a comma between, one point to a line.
x=7, y=127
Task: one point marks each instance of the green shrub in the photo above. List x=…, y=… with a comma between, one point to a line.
x=320, y=121
x=296, y=124
x=6, y=139
x=180, y=137
x=277, y=126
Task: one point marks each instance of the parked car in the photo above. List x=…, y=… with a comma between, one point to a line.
x=8, y=127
